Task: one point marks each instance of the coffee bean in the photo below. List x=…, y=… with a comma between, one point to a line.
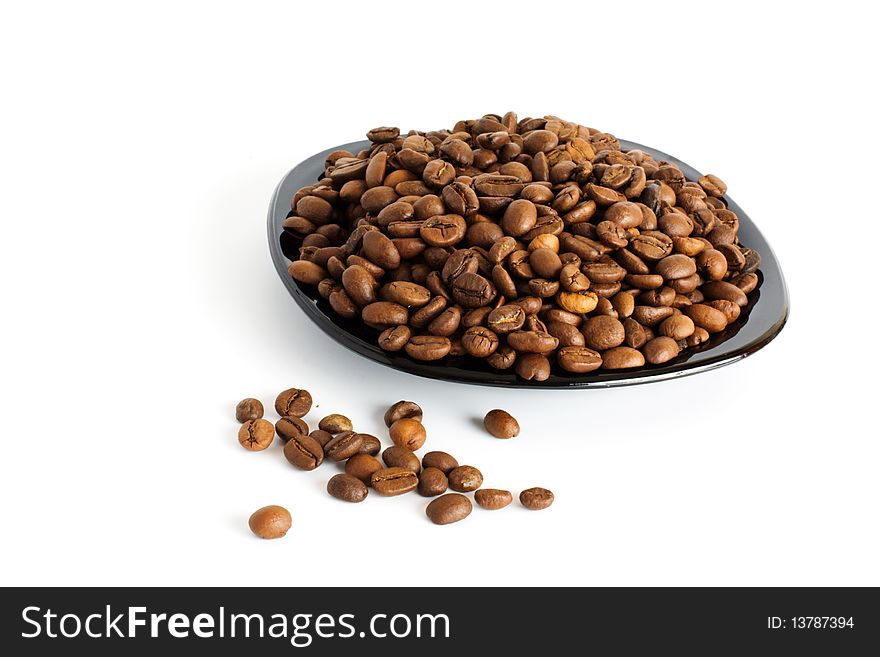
x=472, y=290
x=536, y=499
x=538, y=342
x=444, y=462
x=393, y=481
x=384, y=314
x=479, y=341
x=501, y=424
x=256, y=435
x=362, y=466
x=335, y=423
x=290, y=426
x=428, y=347
x=395, y=338
x=321, y=437
x=603, y=332
x=578, y=359
x=270, y=522
x=465, y=478
x=401, y=457
x=432, y=482
x=449, y=508
x=402, y=409
x=408, y=432
x=347, y=488
x=706, y=317
x=369, y=445
x=620, y=358
x=660, y=349
x=293, y=401
x=493, y=498
x=249, y=409
x=531, y=367
x=304, y=451
x=343, y=446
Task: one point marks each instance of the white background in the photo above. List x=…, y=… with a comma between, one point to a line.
x=140, y=147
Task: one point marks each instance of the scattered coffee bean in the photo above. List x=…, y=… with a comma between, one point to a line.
x=256, y=435
x=304, y=452
x=335, y=423
x=401, y=457
x=432, y=482
x=449, y=508
x=347, y=488
x=501, y=424
x=362, y=466
x=536, y=499
x=465, y=478
x=393, y=481
x=493, y=498
x=293, y=402
x=444, y=462
x=249, y=409
x=343, y=446
x=401, y=410
x=322, y=437
x=370, y=444
x=270, y=521
x=409, y=433
x=290, y=426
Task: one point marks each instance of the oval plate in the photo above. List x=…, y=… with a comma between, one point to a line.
x=760, y=321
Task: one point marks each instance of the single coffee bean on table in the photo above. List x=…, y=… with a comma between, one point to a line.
x=501, y=424
x=409, y=433
x=449, y=508
x=436, y=240
x=444, y=462
x=335, y=423
x=270, y=521
x=465, y=478
x=256, y=435
x=492, y=498
x=536, y=499
x=293, y=402
x=304, y=452
x=249, y=409
x=393, y=481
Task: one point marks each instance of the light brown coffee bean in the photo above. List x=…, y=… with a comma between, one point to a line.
x=270, y=522
x=256, y=435
x=493, y=498
x=409, y=433
x=536, y=499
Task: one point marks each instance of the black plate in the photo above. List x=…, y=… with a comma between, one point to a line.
x=758, y=324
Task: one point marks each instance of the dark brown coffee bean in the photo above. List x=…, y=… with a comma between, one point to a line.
x=746, y=282
x=537, y=342
x=660, y=350
x=730, y=309
x=249, y=409
x=531, y=367
x=343, y=446
x=603, y=332
x=290, y=426
x=715, y=290
x=578, y=359
x=432, y=482
x=461, y=199
x=444, y=462
x=321, y=437
x=401, y=457
x=270, y=522
x=408, y=432
x=384, y=314
x=347, y=488
x=706, y=317
x=479, y=341
x=380, y=250
x=293, y=401
x=493, y=499
x=651, y=315
x=304, y=452
x=335, y=423
x=383, y=135
x=635, y=335
x=424, y=315
x=362, y=466
x=256, y=435
x=395, y=338
x=539, y=141
x=446, y=323
x=393, y=481
x=536, y=499
x=443, y=229
x=620, y=358
x=428, y=347
x=405, y=293
x=465, y=478
x=402, y=409
x=449, y=508
x=519, y=217
x=438, y=174
x=501, y=424
x=677, y=327
x=472, y=290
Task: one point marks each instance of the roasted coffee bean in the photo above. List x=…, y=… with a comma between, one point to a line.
x=620, y=358
x=448, y=508
x=335, y=423
x=581, y=302
x=706, y=317
x=304, y=452
x=384, y=314
x=393, y=481
x=395, y=338
x=493, y=499
x=343, y=446
x=293, y=401
x=444, y=462
x=256, y=435
x=362, y=466
x=465, y=478
x=677, y=327
x=347, y=488
x=270, y=521
x=249, y=409
x=408, y=432
x=401, y=457
x=603, y=332
x=432, y=482
x=428, y=347
x=405, y=293
x=321, y=437
x=479, y=341
x=536, y=499
x=537, y=342
x=578, y=359
x=402, y=409
x=472, y=290
x=531, y=367
x=290, y=426
x=501, y=424
x=660, y=349
x=723, y=290
x=519, y=217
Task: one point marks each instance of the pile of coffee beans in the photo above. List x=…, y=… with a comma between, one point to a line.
x=530, y=243
x=399, y=471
